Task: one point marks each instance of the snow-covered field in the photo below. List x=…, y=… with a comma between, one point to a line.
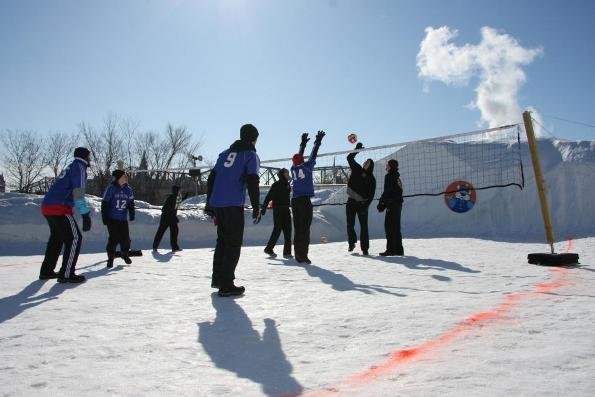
x=462, y=314
x=454, y=317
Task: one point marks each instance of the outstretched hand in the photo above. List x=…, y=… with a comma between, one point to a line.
x=305, y=138
x=319, y=137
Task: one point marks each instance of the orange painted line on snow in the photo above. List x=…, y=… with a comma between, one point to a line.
x=404, y=356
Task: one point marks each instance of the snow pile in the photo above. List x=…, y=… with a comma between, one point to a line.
x=508, y=214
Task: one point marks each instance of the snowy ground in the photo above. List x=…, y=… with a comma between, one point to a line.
x=454, y=317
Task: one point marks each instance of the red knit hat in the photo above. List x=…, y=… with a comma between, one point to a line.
x=297, y=159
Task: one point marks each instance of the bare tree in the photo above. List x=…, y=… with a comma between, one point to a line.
x=106, y=148
x=23, y=157
x=59, y=149
x=105, y=145
x=130, y=155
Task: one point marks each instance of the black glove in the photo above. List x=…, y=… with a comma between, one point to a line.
x=359, y=146
x=381, y=206
x=209, y=211
x=263, y=210
x=305, y=138
x=86, y=222
x=319, y=137
x=256, y=214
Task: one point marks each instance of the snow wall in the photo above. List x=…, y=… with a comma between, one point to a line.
x=507, y=214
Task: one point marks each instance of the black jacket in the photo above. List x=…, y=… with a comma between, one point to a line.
x=279, y=193
x=361, y=182
x=393, y=189
x=169, y=211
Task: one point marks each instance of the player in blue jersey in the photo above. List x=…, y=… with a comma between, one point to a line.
x=303, y=189
x=116, y=206
x=66, y=193
x=236, y=169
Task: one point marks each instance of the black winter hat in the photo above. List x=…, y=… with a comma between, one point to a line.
x=81, y=152
x=248, y=133
x=117, y=174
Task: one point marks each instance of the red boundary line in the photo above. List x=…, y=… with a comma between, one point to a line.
x=403, y=356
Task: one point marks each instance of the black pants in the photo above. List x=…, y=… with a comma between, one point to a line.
x=173, y=233
x=281, y=222
x=230, y=235
x=64, y=232
x=392, y=229
x=118, y=234
x=359, y=208
x=302, y=219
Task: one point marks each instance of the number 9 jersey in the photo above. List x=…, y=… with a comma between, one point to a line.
x=231, y=170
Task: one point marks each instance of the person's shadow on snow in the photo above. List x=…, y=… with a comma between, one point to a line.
x=12, y=306
x=233, y=344
x=162, y=257
x=341, y=283
x=416, y=263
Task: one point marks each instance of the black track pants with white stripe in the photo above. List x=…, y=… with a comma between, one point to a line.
x=64, y=232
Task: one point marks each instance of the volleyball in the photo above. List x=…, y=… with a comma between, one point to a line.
x=352, y=138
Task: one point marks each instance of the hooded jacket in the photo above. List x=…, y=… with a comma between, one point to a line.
x=393, y=188
x=279, y=192
x=362, y=183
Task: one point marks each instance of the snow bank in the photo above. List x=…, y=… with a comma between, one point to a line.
x=507, y=214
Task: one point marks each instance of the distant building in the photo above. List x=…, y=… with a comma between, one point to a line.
x=2, y=184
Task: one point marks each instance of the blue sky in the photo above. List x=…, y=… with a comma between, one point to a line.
x=286, y=66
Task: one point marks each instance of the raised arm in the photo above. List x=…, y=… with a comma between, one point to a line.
x=303, y=143
x=317, y=143
x=351, y=158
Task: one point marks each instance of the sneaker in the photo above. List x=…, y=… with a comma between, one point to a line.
x=305, y=260
x=270, y=252
x=287, y=256
x=74, y=279
x=127, y=259
x=351, y=247
x=176, y=249
x=365, y=252
x=48, y=276
x=231, y=291
x=110, y=263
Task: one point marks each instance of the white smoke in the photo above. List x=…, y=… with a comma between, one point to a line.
x=497, y=60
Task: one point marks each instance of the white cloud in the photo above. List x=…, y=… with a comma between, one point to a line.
x=497, y=61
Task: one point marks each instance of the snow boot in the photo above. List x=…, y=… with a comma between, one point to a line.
x=48, y=276
x=231, y=291
x=74, y=279
x=270, y=252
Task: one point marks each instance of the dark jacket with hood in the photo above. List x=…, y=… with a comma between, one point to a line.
x=393, y=189
x=169, y=211
x=362, y=183
x=279, y=192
